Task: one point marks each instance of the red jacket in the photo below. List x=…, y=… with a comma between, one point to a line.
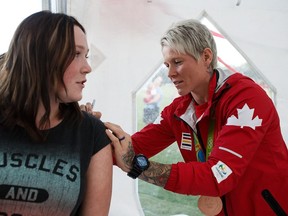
x=249, y=154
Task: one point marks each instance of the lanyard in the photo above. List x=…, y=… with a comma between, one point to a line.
x=199, y=151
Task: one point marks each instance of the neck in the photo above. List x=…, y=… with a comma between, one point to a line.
x=201, y=94
x=200, y=99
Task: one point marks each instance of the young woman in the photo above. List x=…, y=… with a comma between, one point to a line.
x=54, y=158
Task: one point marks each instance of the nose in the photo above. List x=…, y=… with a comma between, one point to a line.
x=86, y=67
x=171, y=71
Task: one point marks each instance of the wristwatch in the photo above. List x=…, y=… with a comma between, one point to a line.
x=140, y=163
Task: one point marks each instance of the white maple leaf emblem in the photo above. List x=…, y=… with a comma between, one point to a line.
x=245, y=118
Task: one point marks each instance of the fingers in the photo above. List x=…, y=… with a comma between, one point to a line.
x=120, y=146
x=121, y=143
x=97, y=114
x=83, y=107
x=122, y=138
x=114, y=139
x=116, y=129
x=88, y=107
x=117, y=135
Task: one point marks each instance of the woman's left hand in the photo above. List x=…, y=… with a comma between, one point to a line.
x=122, y=146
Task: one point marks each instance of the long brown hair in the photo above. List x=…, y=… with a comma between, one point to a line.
x=41, y=49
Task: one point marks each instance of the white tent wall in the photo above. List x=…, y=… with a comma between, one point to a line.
x=124, y=40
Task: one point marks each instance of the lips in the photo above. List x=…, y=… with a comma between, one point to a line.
x=82, y=83
x=177, y=83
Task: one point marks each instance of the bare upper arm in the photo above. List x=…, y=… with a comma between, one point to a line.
x=98, y=184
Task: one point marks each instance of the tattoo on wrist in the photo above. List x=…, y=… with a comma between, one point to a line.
x=128, y=157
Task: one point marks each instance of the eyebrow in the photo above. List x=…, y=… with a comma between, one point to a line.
x=82, y=47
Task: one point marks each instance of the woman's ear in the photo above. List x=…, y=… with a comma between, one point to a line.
x=207, y=56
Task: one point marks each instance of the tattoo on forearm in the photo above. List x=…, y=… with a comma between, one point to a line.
x=128, y=157
x=156, y=174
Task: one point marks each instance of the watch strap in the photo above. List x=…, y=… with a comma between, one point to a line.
x=134, y=172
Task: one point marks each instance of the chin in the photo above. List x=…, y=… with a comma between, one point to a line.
x=78, y=98
x=182, y=93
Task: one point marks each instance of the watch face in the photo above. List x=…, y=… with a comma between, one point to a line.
x=142, y=161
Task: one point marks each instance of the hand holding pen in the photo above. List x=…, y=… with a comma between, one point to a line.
x=88, y=107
